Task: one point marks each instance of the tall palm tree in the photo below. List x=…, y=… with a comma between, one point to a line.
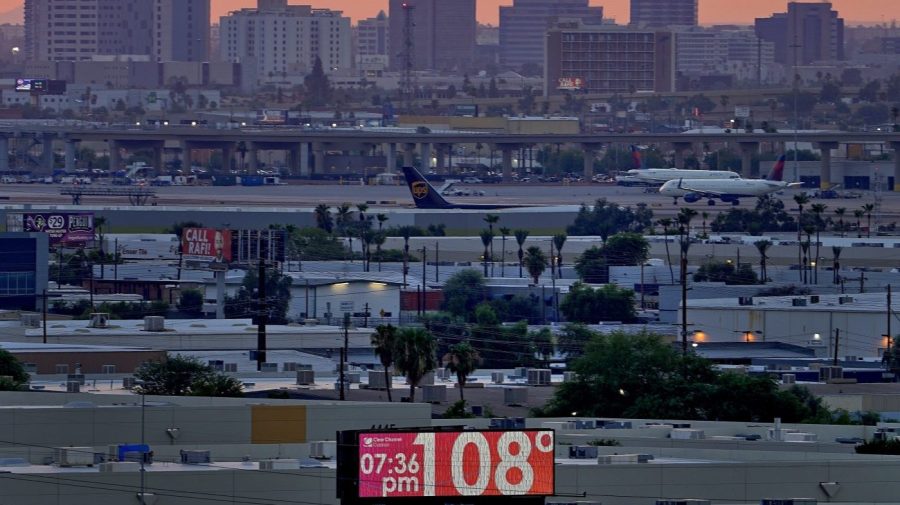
x=362, y=208
x=406, y=232
x=486, y=239
x=491, y=219
x=801, y=199
x=836, y=264
x=763, y=246
x=868, y=209
x=666, y=223
x=379, y=239
x=684, y=218
x=366, y=237
x=345, y=225
x=323, y=218
x=381, y=218
x=415, y=356
x=805, y=248
x=521, y=235
x=384, y=343
x=463, y=360
x=705, y=216
x=858, y=214
x=559, y=241
x=535, y=263
x=818, y=209
x=504, y=231
x=839, y=212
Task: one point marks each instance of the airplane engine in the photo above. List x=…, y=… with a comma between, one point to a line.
x=692, y=198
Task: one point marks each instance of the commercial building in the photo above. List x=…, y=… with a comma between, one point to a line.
x=443, y=33
x=23, y=270
x=76, y=30
x=373, y=41
x=283, y=41
x=608, y=59
x=523, y=27
x=736, y=52
x=663, y=13
x=806, y=33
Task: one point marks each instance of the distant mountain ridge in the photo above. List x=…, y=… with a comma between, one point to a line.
x=15, y=16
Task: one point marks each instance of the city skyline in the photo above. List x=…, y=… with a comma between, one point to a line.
x=711, y=11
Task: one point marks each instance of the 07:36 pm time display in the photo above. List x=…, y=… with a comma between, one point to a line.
x=467, y=463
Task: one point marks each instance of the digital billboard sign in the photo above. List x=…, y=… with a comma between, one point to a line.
x=63, y=227
x=454, y=464
x=32, y=85
x=206, y=244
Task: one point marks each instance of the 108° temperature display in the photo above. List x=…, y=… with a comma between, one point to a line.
x=467, y=463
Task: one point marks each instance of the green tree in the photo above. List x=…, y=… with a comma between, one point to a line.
x=584, y=304
x=191, y=301
x=318, y=88
x=384, y=343
x=868, y=209
x=278, y=297
x=535, y=263
x=592, y=267
x=762, y=246
x=323, y=218
x=462, y=360
x=521, y=236
x=11, y=367
x=626, y=249
x=491, y=220
x=725, y=271
x=415, y=356
x=504, y=232
x=559, y=240
x=573, y=338
x=487, y=238
x=463, y=291
x=607, y=218
x=179, y=227
x=181, y=376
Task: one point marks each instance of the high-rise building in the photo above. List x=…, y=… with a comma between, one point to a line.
x=78, y=30
x=373, y=40
x=283, y=40
x=443, y=33
x=181, y=30
x=608, y=59
x=663, y=13
x=524, y=24
x=806, y=33
x=705, y=51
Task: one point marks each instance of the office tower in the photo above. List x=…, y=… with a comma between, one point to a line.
x=373, y=39
x=663, y=13
x=523, y=27
x=281, y=39
x=608, y=59
x=181, y=30
x=806, y=33
x=443, y=33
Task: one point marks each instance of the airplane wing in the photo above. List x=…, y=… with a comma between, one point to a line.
x=706, y=193
x=794, y=184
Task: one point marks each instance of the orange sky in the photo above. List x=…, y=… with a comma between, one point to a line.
x=711, y=11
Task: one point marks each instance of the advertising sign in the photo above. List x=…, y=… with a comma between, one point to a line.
x=63, y=227
x=31, y=85
x=206, y=244
x=570, y=83
x=490, y=463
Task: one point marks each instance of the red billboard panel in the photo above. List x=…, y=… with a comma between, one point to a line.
x=64, y=228
x=570, y=83
x=452, y=464
x=206, y=244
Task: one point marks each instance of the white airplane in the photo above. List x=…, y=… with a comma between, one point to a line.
x=727, y=190
x=653, y=176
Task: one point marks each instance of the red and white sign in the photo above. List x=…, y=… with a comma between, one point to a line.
x=570, y=83
x=207, y=244
x=447, y=464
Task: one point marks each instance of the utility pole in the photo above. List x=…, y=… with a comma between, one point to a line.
x=889, y=352
x=684, y=323
x=837, y=343
x=262, y=317
x=344, y=356
x=437, y=263
x=44, y=314
x=424, y=274
x=366, y=316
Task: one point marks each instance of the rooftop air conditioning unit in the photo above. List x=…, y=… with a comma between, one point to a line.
x=154, y=323
x=75, y=456
x=353, y=377
x=108, y=369
x=538, y=377
x=30, y=320
x=845, y=299
x=515, y=396
x=583, y=452
x=570, y=376
x=195, y=457
x=377, y=380
x=99, y=320
x=269, y=367
x=288, y=367
x=323, y=449
x=279, y=464
x=73, y=387
x=434, y=393
x=231, y=367
x=683, y=502
x=788, y=378
x=119, y=466
x=745, y=300
x=813, y=298
x=497, y=377
x=306, y=377
x=798, y=302
x=827, y=373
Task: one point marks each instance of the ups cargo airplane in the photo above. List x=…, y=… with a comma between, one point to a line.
x=426, y=197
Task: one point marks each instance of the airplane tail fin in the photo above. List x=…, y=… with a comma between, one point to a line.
x=777, y=173
x=636, y=162
x=424, y=195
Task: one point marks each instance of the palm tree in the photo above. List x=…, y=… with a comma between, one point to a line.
x=684, y=218
x=366, y=237
x=406, y=232
x=504, y=231
x=344, y=225
x=487, y=238
x=463, y=360
x=858, y=214
x=666, y=223
x=362, y=208
x=535, y=262
x=839, y=212
x=801, y=199
x=323, y=218
x=491, y=219
x=559, y=241
x=379, y=239
x=384, y=343
x=705, y=216
x=521, y=235
x=381, y=218
x=817, y=209
x=868, y=209
x=414, y=356
x=763, y=246
x=805, y=248
x=836, y=264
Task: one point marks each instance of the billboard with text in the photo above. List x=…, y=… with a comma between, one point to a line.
x=206, y=244
x=64, y=228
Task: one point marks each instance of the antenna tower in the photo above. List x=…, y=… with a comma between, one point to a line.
x=408, y=88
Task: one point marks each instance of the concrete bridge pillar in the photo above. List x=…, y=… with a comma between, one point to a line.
x=252, y=158
x=304, y=159
x=590, y=154
x=391, y=155
x=747, y=151
x=896, y=147
x=440, y=157
x=319, y=158
x=425, y=151
x=507, y=163
x=4, y=153
x=828, y=177
x=185, y=156
x=115, y=159
x=227, y=157
x=679, y=148
x=47, y=154
x=159, y=164
x=70, y=155
x=409, y=155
